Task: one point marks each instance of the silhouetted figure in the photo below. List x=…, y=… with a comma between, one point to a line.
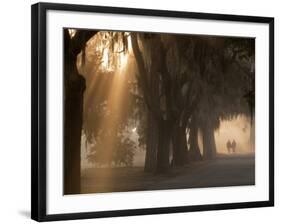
x=228, y=146
x=233, y=146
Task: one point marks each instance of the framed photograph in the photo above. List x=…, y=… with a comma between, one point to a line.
x=138, y=111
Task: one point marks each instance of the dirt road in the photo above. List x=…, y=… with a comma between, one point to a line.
x=225, y=170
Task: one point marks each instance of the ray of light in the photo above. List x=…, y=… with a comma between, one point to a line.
x=115, y=94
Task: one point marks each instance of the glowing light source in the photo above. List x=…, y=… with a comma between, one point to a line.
x=72, y=32
x=134, y=129
x=105, y=59
x=117, y=60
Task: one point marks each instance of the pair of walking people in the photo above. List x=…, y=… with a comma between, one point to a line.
x=231, y=146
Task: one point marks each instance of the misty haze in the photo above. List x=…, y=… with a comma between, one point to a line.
x=147, y=111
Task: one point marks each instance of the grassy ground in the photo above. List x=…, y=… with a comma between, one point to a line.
x=225, y=170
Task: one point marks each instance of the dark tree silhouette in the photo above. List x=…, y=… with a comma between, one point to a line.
x=74, y=86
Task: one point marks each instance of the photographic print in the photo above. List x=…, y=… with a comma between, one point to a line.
x=157, y=111
x=139, y=111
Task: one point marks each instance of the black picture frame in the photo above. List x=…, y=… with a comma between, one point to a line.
x=39, y=122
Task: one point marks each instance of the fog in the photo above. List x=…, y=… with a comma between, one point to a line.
x=239, y=129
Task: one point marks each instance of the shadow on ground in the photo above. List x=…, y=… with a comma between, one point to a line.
x=225, y=170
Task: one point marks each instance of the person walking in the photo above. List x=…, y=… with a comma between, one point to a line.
x=233, y=146
x=228, y=146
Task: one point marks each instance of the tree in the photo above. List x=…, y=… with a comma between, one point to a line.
x=74, y=86
x=122, y=154
x=185, y=87
x=108, y=104
x=154, y=82
x=194, y=151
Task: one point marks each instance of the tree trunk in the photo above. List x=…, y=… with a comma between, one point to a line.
x=73, y=116
x=163, y=152
x=252, y=134
x=180, y=153
x=151, y=144
x=74, y=87
x=209, y=145
x=194, y=152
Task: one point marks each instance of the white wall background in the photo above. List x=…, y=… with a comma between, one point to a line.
x=15, y=110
